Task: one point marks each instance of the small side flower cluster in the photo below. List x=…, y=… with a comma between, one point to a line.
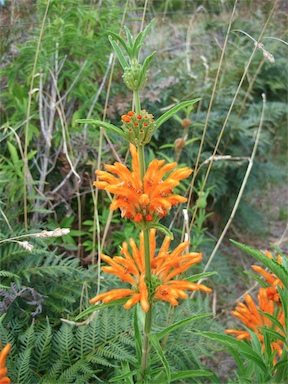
x=142, y=203
x=269, y=302
x=164, y=266
x=253, y=319
x=3, y=369
x=138, y=128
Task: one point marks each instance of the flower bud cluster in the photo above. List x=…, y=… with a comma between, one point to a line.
x=139, y=128
x=134, y=77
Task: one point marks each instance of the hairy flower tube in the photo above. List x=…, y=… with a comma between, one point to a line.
x=142, y=203
x=249, y=315
x=271, y=279
x=164, y=266
x=3, y=369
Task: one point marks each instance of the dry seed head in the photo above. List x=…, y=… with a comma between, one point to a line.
x=186, y=123
x=26, y=245
x=179, y=144
x=268, y=56
x=56, y=233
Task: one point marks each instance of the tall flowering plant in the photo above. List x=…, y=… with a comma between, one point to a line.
x=145, y=196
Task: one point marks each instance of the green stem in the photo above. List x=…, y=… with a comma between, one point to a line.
x=137, y=102
x=141, y=156
x=145, y=344
x=148, y=316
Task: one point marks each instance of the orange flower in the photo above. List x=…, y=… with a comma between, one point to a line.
x=271, y=279
x=164, y=267
x=142, y=203
x=3, y=369
x=253, y=319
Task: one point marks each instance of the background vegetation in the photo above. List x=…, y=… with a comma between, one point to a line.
x=75, y=77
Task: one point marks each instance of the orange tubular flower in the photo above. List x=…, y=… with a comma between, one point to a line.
x=3, y=369
x=271, y=279
x=143, y=203
x=253, y=319
x=164, y=267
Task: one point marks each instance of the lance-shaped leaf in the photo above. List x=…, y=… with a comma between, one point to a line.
x=129, y=37
x=172, y=112
x=203, y=275
x=99, y=123
x=121, y=41
x=276, y=268
x=158, y=349
x=139, y=40
x=180, y=324
x=256, y=278
x=145, y=66
x=273, y=319
x=119, y=54
x=163, y=229
x=102, y=306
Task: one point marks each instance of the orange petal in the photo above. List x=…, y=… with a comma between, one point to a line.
x=136, y=255
x=4, y=354
x=133, y=300
x=5, y=380
x=152, y=243
x=168, y=298
x=267, y=275
x=116, y=294
x=143, y=294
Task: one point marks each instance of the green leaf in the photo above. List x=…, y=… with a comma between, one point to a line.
x=101, y=306
x=172, y=111
x=119, y=54
x=154, y=341
x=145, y=66
x=121, y=41
x=256, y=278
x=273, y=333
x=13, y=153
x=31, y=154
x=193, y=278
x=184, y=374
x=124, y=376
x=284, y=302
x=129, y=37
x=99, y=123
x=237, y=345
x=276, y=268
x=139, y=40
x=181, y=323
x=163, y=229
x=273, y=319
x=192, y=140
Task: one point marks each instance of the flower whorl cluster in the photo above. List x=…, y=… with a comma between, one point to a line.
x=146, y=202
x=165, y=266
x=138, y=128
x=250, y=316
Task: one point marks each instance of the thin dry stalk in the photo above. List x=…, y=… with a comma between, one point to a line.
x=250, y=165
x=28, y=114
x=100, y=147
x=208, y=112
x=228, y=114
